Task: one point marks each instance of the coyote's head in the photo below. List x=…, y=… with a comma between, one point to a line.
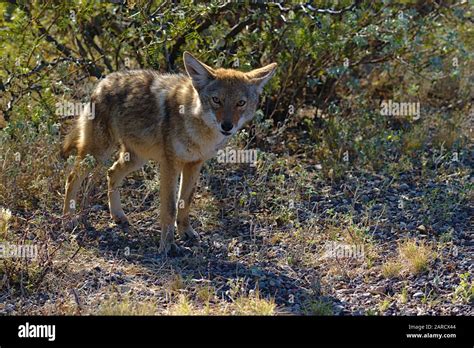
x=228, y=97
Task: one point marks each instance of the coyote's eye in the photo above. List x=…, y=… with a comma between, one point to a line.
x=241, y=103
x=216, y=100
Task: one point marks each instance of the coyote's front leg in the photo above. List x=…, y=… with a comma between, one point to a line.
x=169, y=174
x=188, y=185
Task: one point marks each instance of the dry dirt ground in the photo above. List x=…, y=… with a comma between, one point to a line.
x=405, y=245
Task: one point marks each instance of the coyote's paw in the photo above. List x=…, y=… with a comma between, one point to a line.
x=190, y=235
x=71, y=223
x=120, y=219
x=170, y=249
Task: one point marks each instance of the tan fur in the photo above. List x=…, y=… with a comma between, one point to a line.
x=171, y=119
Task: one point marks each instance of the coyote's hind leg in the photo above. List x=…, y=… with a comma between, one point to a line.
x=127, y=163
x=189, y=179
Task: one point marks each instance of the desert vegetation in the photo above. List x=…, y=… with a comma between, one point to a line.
x=360, y=202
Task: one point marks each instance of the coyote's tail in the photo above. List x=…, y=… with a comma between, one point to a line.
x=70, y=142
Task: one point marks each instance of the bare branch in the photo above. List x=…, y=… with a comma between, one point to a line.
x=203, y=26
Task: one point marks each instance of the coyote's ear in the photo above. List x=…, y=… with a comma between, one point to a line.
x=260, y=76
x=199, y=72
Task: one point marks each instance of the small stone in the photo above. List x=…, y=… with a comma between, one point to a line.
x=421, y=228
x=380, y=289
x=124, y=289
x=96, y=208
x=418, y=294
x=404, y=187
x=364, y=198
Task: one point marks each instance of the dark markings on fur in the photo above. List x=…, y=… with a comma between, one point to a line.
x=190, y=197
x=172, y=205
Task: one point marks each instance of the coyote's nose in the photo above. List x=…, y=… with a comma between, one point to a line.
x=227, y=126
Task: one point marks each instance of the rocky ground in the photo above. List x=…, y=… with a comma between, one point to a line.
x=265, y=247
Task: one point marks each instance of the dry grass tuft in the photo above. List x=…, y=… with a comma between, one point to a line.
x=253, y=304
x=117, y=305
x=415, y=256
x=391, y=269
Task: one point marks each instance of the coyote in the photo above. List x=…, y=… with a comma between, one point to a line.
x=177, y=120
